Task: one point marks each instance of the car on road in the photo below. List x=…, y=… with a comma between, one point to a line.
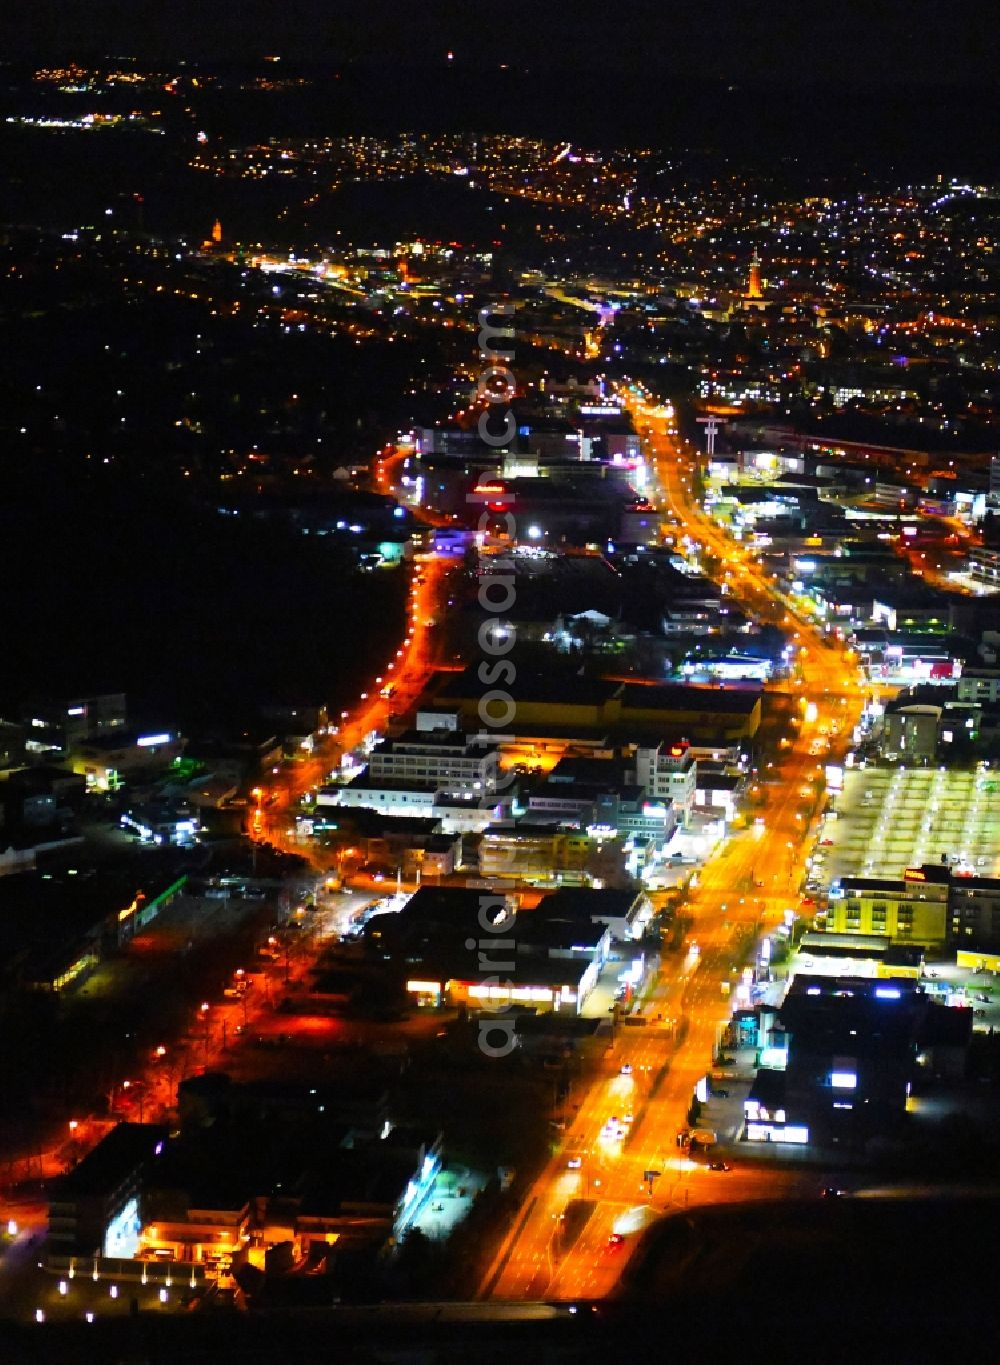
x=574, y=1163
x=615, y=1240
x=626, y=1069
x=719, y=1093
x=719, y=1166
x=831, y=1192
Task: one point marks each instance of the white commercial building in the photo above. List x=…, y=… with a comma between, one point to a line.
x=458, y=814
x=979, y=685
x=668, y=772
x=442, y=760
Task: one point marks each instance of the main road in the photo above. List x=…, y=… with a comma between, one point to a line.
x=748, y=885
x=392, y=690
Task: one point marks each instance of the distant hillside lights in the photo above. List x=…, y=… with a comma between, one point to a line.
x=496, y=387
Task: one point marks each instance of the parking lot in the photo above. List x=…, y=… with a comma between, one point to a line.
x=890, y=819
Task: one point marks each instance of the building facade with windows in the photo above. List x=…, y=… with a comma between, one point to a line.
x=979, y=685
x=932, y=905
x=447, y=761
x=668, y=773
x=908, y=909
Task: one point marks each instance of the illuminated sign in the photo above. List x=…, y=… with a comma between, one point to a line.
x=129, y=909
x=121, y=1237
x=538, y=993
x=913, y=874
x=77, y=711
x=151, y=741
x=843, y=1080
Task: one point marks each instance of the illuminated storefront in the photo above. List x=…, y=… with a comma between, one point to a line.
x=496, y=992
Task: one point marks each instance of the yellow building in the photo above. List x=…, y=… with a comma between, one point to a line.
x=911, y=909
x=527, y=854
x=608, y=706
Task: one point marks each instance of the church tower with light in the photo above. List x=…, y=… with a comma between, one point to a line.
x=750, y=302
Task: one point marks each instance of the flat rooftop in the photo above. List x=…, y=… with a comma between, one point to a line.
x=126, y=1147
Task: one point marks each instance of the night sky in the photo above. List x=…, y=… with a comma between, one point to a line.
x=855, y=41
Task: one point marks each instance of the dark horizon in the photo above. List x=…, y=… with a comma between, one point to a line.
x=791, y=125
x=885, y=41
